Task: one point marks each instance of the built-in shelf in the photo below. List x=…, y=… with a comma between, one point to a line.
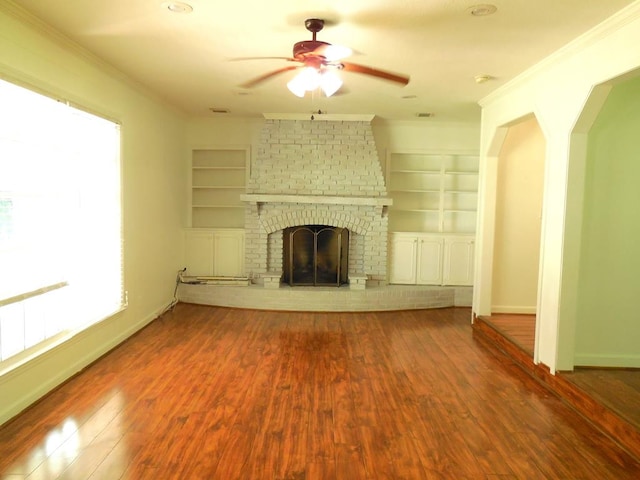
x=218, y=178
x=432, y=192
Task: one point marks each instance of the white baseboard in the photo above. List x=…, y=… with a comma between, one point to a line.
x=520, y=310
x=604, y=360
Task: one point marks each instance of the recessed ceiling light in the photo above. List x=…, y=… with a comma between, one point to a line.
x=178, y=7
x=482, y=78
x=482, y=10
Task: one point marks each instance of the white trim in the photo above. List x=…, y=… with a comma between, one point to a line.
x=33, y=293
x=604, y=360
x=327, y=117
x=594, y=35
x=315, y=199
x=518, y=310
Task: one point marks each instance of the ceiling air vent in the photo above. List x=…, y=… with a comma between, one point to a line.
x=425, y=115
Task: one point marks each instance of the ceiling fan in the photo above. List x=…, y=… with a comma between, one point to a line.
x=319, y=61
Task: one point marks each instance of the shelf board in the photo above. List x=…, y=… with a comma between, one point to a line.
x=460, y=172
x=413, y=190
x=217, y=206
x=217, y=168
x=423, y=210
x=463, y=192
x=424, y=172
x=221, y=187
x=459, y=210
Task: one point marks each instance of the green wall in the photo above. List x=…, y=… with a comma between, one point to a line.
x=608, y=320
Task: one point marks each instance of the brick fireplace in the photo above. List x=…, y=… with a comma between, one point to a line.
x=321, y=171
x=324, y=172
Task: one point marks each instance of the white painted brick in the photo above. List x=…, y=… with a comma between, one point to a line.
x=317, y=158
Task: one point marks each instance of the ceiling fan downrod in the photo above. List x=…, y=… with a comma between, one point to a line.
x=314, y=25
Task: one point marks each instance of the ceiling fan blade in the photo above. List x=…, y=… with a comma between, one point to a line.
x=239, y=59
x=266, y=76
x=374, y=72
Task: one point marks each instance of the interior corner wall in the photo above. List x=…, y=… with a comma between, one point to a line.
x=517, y=219
x=153, y=192
x=607, y=321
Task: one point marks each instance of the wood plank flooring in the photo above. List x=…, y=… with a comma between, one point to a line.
x=616, y=388
x=520, y=329
x=216, y=393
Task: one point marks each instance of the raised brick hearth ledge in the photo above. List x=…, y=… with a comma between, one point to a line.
x=327, y=299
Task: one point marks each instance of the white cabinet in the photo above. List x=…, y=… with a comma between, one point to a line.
x=214, y=252
x=429, y=271
x=403, y=252
x=458, y=260
x=425, y=259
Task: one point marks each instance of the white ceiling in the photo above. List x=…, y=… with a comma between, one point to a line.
x=185, y=58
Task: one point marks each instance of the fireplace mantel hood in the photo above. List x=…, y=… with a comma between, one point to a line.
x=315, y=199
x=323, y=170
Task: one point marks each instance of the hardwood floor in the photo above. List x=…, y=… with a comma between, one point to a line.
x=217, y=393
x=520, y=329
x=617, y=388
x=608, y=397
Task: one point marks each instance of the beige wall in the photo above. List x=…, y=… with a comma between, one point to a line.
x=518, y=214
x=154, y=183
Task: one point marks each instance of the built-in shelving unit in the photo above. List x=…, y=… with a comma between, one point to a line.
x=432, y=221
x=218, y=178
x=432, y=193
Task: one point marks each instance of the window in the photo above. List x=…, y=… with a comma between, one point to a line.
x=60, y=220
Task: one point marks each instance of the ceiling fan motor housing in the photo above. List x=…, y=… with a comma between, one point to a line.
x=307, y=48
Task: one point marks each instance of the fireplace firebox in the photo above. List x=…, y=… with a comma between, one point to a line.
x=315, y=255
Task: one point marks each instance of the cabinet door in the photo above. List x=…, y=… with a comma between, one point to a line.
x=458, y=261
x=228, y=260
x=429, y=263
x=199, y=253
x=402, y=259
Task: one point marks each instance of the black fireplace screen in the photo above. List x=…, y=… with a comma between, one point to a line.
x=316, y=255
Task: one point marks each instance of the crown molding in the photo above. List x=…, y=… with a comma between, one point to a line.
x=604, y=29
x=11, y=8
x=320, y=117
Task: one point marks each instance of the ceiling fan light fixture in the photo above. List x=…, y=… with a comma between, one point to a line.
x=296, y=87
x=178, y=7
x=333, y=53
x=330, y=82
x=308, y=79
x=482, y=10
